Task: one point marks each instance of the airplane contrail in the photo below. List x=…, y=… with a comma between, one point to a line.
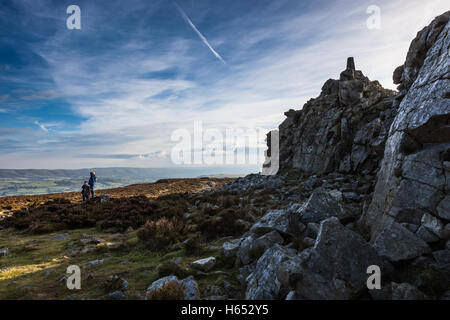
x=202, y=37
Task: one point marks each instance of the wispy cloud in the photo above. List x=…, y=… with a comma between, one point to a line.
x=130, y=91
x=201, y=36
x=40, y=125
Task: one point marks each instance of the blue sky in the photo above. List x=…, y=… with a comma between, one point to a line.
x=112, y=93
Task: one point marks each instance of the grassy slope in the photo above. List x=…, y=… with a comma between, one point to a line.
x=36, y=263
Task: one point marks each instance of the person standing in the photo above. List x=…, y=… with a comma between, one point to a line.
x=92, y=181
x=85, y=191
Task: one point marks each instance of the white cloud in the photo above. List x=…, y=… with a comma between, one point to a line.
x=126, y=112
x=200, y=35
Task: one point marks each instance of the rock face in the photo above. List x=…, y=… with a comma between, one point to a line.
x=373, y=184
x=414, y=180
x=344, y=129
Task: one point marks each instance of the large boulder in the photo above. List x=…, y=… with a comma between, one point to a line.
x=335, y=268
x=397, y=243
x=263, y=283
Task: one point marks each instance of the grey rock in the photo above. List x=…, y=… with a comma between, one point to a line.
x=216, y=298
x=118, y=295
x=292, y=295
x=384, y=293
x=191, y=291
x=433, y=224
x=411, y=227
x=445, y=295
x=321, y=206
x=158, y=284
x=442, y=256
x=230, y=248
x=335, y=268
x=214, y=291
x=411, y=182
x=406, y=291
x=205, y=264
x=426, y=235
x=252, y=248
x=279, y=220
x=309, y=241
x=398, y=243
x=104, y=198
x=93, y=263
x=91, y=240
x=263, y=283
x=4, y=252
x=312, y=229
x=60, y=236
x=443, y=209
x=71, y=297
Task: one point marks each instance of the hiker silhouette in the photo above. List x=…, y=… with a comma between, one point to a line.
x=92, y=181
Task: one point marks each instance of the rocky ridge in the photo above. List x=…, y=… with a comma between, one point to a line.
x=363, y=180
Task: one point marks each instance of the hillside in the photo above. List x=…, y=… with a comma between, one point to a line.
x=363, y=188
x=39, y=181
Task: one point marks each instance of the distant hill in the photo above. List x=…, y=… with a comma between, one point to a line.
x=41, y=181
x=124, y=172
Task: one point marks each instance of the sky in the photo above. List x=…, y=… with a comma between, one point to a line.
x=115, y=92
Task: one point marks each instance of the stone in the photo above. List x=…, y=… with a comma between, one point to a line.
x=411, y=182
x=442, y=256
x=60, y=236
x=263, y=283
x=104, y=198
x=191, y=291
x=312, y=229
x=205, y=264
x=279, y=220
x=321, y=206
x=252, y=248
x=336, y=267
x=158, y=284
x=93, y=263
x=426, y=235
x=397, y=243
x=4, y=252
x=230, y=248
x=117, y=295
x=443, y=209
x=91, y=240
x=292, y=295
x=411, y=227
x=406, y=291
x=214, y=291
x=433, y=224
x=309, y=241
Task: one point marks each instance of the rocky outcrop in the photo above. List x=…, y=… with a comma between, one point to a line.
x=373, y=184
x=335, y=268
x=344, y=129
x=413, y=187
